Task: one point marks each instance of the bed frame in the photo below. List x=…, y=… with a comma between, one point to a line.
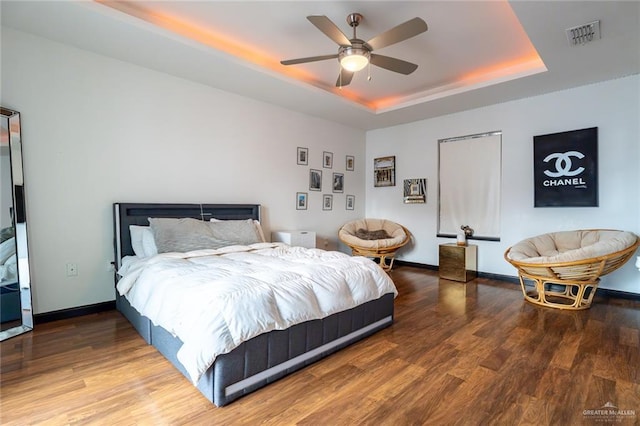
x=266, y=357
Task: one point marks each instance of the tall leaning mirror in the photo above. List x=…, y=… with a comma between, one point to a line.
x=15, y=282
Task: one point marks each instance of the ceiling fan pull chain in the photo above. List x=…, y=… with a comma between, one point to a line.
x=369, y=72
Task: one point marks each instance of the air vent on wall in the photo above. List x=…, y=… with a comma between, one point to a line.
x=584, y=33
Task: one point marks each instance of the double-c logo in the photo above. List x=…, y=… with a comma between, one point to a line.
x=563, y=164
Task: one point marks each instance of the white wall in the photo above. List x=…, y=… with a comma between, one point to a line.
x=98, y=131
x=612, y=106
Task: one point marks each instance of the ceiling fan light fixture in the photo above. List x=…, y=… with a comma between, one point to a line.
x=353, y=59
x=354, y=54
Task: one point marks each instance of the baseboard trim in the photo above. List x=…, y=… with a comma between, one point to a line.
x=415, y=265
x=508, y=278
x=617, y=294
x=603, y=292
x=73, y=312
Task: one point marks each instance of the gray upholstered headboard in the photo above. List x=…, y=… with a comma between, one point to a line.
x=125, y=214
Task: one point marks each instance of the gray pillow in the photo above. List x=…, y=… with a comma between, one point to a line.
x=243, y=232
x=182, y=235
x=379, y=234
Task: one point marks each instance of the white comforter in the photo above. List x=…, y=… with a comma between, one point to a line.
x=213, y=300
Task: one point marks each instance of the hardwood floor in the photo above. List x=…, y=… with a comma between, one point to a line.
x=468, y=354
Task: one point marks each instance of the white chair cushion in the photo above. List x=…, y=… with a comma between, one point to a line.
x=570, y=246
x=395, y=231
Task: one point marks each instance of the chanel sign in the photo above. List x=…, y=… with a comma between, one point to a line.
x=565, y=168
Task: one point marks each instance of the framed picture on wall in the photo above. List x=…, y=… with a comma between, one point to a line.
x=301, y=200
x=327, y=160
x=351, y=202
x=350, y=166
x=415, y=191
x=384, y=171
x=315, y=180
x=303, y=156
x=327, y=202
x=565, y=169
x=338, y=182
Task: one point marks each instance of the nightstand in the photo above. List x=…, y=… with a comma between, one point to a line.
x=458, y=263
x=295, y=238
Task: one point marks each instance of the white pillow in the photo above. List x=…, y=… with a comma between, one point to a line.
x=149, y=242
x=142, y=241
x=259, y=229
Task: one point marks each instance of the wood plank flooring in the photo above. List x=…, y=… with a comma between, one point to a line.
x=459, y=354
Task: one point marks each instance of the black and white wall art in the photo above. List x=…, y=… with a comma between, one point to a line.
x=566, y=169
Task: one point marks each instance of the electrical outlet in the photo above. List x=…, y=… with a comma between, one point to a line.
x=72, y=269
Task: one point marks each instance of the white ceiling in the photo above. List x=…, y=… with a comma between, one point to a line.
x=475, y=53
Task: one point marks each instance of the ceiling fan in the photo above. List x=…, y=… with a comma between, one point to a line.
x=355, y=54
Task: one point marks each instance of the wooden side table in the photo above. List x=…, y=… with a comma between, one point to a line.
x=458, y=263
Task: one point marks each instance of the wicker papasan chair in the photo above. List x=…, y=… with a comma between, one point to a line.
x=376, y=238
x=565, y=267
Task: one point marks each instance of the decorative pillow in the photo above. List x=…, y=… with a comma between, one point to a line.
x=379, y=234
x=182, y=235
x=256, y=223
x=142, y=241
x=243, y=232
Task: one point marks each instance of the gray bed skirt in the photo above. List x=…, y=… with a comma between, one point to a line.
x=273, y=355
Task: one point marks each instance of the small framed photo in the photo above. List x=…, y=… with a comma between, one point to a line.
x=338, y=182
x=301, y=200
x=303, y=156
x=327, y=160
x=415, y=191
x=315, y=180
x=350, y=163
x=384, y=171
x=351, y=201
x=327, y=202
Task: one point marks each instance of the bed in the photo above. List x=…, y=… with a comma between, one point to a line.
x=264, y=357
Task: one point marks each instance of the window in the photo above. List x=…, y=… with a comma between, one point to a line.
x=470, y=185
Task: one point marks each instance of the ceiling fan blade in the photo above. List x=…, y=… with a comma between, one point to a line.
x=330, y=29
x=309, y=59
x=344, y=78
x=404, y=31
x=393, y=64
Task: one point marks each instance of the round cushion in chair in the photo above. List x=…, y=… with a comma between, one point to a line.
x=571, y=246
x=354, y=233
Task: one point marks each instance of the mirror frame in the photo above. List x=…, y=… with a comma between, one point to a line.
x=20, y=224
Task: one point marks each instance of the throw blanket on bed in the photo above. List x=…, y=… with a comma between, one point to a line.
x=213, y=300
